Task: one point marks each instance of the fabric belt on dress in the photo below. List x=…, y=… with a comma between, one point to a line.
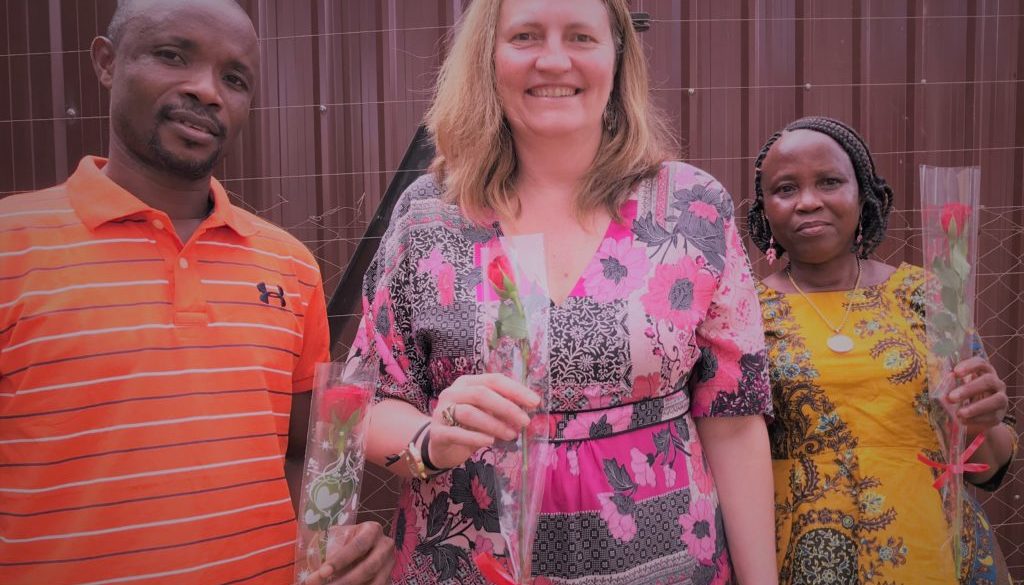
x=581, y=425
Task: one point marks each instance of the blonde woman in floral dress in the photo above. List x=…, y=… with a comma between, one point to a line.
x=660, y=471
x=847, y=353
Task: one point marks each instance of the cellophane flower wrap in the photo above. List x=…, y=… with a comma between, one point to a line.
x=335, y=454
x=515, y=305
x=949, y=216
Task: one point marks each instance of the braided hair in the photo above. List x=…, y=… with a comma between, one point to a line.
x=875, y=194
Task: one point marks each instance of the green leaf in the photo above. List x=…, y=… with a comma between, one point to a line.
x=944, y=348
x=946, y=275
x=353, y=420
x=495, y=336
x=943, y=321
x=964, y=316
x=950, y=299
x=510, y=285
x=512, y=322
x=958, y=259
x=341, y=444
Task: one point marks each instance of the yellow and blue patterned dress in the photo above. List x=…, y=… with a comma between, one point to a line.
x=853, y=503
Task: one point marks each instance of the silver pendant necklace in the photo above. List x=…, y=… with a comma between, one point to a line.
x=837, y=342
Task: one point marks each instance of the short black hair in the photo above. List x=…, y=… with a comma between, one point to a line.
x=123, y=15
x=876, y=196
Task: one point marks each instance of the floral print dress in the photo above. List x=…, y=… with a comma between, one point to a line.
x=662, y=326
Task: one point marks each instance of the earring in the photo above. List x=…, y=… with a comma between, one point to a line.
x=610, y=118
x=860, y=238
x=771, y=255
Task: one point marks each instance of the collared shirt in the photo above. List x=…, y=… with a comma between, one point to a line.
x=145, y=388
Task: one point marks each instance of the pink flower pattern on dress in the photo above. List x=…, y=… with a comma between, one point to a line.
x=405, y=530
x=483, y=499
x=679, y=293
x=699, y=530
x=704, y=210
x=572, y=457
x=646, y=386
x=621, y=526
x=586, y=423
x=443, y=272
x=643, y=473
x=664, y=311
x=388, y=344
x=670, y=475
x=617, y=270
x=433, y=262
x=445, y=285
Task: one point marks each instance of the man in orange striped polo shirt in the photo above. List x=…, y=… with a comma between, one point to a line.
x=157, y=343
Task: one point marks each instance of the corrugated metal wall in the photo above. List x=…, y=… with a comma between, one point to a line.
x=346, y=81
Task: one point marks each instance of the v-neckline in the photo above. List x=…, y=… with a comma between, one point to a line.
x=578, y=281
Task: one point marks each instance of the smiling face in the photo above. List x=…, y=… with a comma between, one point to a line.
x=181, y=82
x=811, y=196
x=554, y=62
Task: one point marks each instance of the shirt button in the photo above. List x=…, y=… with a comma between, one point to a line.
x=183, y=263
x=158, y=224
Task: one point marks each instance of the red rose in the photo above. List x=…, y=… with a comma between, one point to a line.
x=340, y=402
x=497, y=272
x=956, y=213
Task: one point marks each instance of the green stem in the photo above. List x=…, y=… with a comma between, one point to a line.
x=322, y=545
x=524, y=554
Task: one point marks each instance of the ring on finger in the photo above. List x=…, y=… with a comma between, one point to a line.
x=448, y=416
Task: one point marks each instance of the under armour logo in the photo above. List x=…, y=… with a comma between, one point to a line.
x=266, y=294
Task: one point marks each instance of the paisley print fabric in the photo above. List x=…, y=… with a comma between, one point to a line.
x=853, y=503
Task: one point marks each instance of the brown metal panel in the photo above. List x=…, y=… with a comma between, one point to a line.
x=6, y=107
x=20, y=90
x=6, y=154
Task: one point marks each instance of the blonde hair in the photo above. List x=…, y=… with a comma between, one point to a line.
x=476, y=160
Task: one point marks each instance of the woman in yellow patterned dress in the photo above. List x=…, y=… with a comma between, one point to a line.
x=846, y=351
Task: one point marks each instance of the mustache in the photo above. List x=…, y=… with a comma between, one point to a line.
x=168, y=110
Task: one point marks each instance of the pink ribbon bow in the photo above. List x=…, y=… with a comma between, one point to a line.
x=958, y=467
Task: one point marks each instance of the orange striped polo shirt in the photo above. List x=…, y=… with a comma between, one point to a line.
x=145, y=389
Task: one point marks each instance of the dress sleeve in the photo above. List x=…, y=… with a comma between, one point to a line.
x=731, y=377
x=993, y=483
x=385, y=340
